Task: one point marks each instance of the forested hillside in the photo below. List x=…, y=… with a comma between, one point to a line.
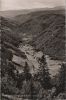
x=48, y=31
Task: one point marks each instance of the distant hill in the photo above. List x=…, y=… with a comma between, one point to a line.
x=13, y=13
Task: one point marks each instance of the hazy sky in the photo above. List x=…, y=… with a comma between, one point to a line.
x=29, y=4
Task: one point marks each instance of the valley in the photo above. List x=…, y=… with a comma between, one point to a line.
x=33, y=54
x=32, y=59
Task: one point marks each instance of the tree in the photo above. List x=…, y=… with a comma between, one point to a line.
x=44, y=76
x=27, y=74
x=62, y=78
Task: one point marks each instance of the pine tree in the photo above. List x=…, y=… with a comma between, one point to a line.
x=29, y=79
x=62, y=78
x=27, y=72
x=44, y=76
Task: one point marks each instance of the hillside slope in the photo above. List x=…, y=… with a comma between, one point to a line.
x=9, y=31
x=48, y=31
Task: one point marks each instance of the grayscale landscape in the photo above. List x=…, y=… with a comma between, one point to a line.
x=33, y=65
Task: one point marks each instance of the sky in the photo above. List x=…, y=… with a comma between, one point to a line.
x=29, y=4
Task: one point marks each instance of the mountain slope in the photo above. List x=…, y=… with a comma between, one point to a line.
x=9, y=31
x=48, y=31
